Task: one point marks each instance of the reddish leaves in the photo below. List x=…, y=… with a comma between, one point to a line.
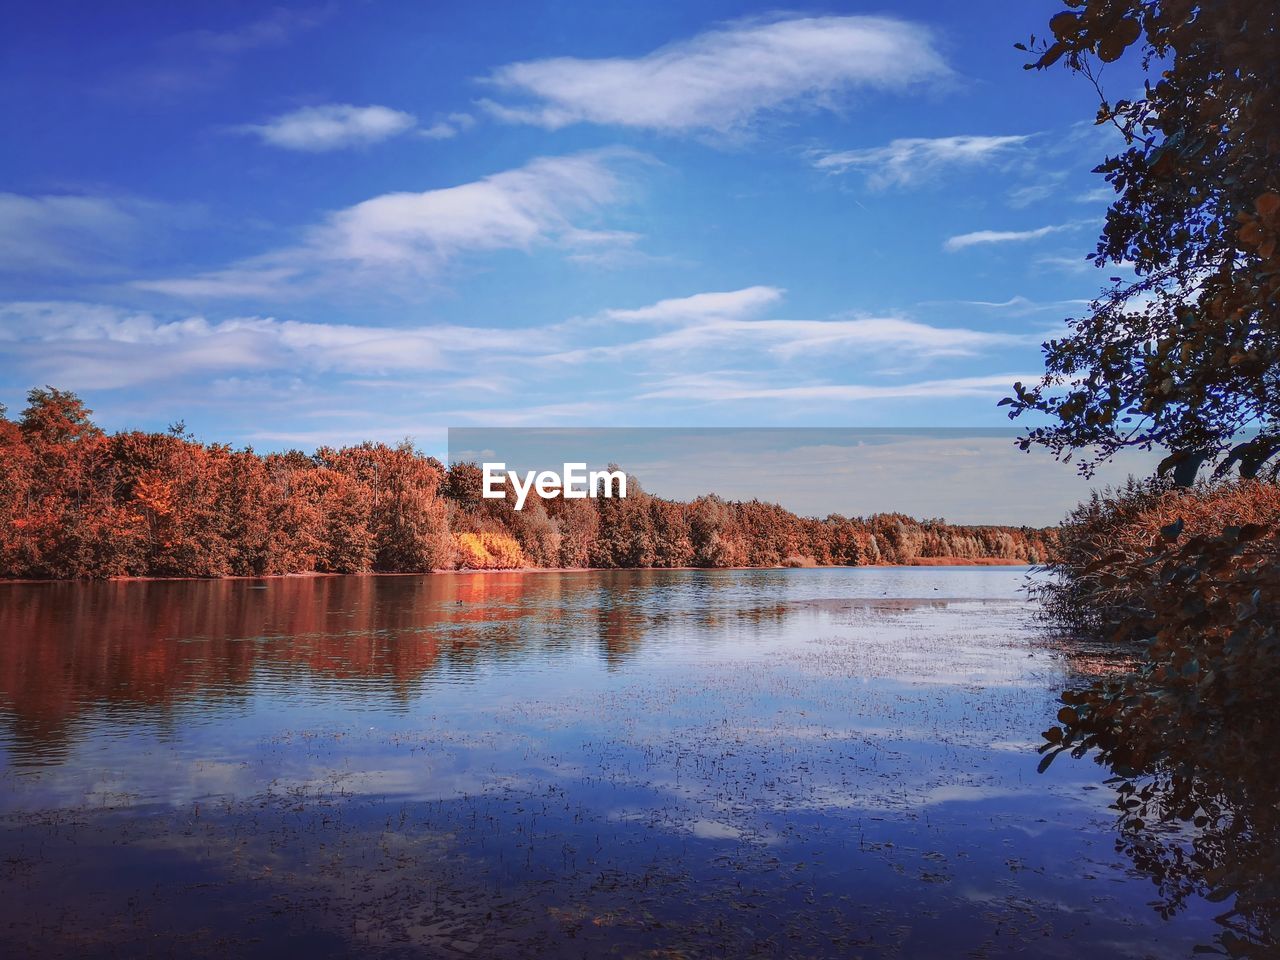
x=75, y=503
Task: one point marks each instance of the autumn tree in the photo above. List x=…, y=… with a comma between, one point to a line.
x=844, y=547
x=407, y=518
x=249, y=509
x=1187, y=355
x=625, y=536
x=69, y=525
x=672, y=545
x=578, y=524
x=77, y=503
x=298, y=528
x=17, y=549
x=714, y=534
x=171, y=488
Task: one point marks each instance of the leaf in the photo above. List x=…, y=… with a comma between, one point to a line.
x=1106, y=561
x=1111, y=49
x=1051, y=56
x=1126, y=32
x=1047, y=759
x=1065, y=25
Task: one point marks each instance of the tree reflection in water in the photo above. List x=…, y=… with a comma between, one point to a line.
x=776, y=763
x=1190, y=731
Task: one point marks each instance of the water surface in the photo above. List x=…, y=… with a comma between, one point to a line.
x=773, y=763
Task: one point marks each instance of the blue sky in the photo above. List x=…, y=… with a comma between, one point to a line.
x=309, y=224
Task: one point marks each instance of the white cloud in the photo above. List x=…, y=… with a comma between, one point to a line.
x=92, y=345
x=701, y=306
x=791, y=338
x=331, y=126
x=1105, y=195
x=1079, y=263
x=980, y=237
x=721, y=389
x=414, y=235
x=449, y=127
x=910, y=160
x=1025, y=196
x=515, y=209
x=256, y=282
x=1018, y=305
x=64, y=232
x=722, y=79
x=680, y=340
x=724, y=322
x=1065, y=263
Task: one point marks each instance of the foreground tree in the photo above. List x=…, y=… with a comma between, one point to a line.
x=1187, y=355
x=1189, y=734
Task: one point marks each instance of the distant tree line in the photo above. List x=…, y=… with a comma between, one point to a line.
x=76, y=502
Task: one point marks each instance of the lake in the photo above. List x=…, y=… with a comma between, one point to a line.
x=773, y=763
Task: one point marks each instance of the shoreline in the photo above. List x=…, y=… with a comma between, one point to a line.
x=467, y=571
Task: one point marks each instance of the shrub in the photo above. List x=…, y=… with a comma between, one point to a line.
x=1121, y=525
x=796, y=560
x=489, y=551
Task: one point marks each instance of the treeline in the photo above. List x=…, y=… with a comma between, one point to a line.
x=76, y=502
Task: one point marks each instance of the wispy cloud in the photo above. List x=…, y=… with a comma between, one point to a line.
x=331, y=126
x=93, y=345
x=913, y=160
x=718, y=389
x=54, y=232
x=1018, y=305
x=259, y=281
x=701, y=307
x=75, y=235
x=1099, y=195
x=550, y=200
x=87, y=345
x=1079, y=263
x=448, y=127
x=273, y=29
x=721, y=80
x=1066, y=263
x=787, y=339
x=725, y=322
x=983, y=237
x=201, y=60
x=1046, y=186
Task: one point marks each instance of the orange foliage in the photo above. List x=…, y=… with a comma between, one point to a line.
x=489, y=551
x=77, y=503
x=1121, y=526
